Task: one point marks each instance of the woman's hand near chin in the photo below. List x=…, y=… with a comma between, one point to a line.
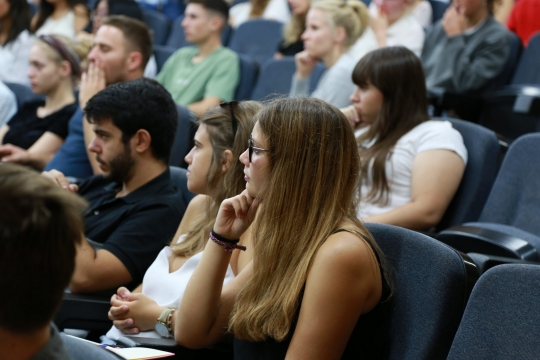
x=235, y=215
x=305, y=64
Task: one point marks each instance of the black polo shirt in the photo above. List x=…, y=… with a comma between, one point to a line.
x=134, y=227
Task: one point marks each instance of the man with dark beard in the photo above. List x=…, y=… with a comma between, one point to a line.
x=134, y=207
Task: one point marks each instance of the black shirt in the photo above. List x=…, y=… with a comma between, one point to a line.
x=291, y=49
x=25, y=127
x=134, y=227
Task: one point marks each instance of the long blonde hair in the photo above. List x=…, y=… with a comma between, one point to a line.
x=221, y=185
x=311, y=188
x=352, y=15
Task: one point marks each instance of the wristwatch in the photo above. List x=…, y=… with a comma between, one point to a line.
x=163, y=323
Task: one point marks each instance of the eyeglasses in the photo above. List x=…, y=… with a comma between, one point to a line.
x=234, y=123
x=251, y=147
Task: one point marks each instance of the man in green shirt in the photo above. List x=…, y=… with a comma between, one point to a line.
x=201, y=76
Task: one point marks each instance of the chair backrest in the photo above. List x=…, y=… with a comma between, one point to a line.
x=162, y=53
x=501, y=320
x=483, y=151
x=177, y=38
x=257, y=38
x=179, y=179
x=248, y=76
x=527, y=69
x=82, y=350
x=275, y=78
x=431, y=286
x=438, y=7
x=183, y=139
x=507, y=73
x=515, y=199
x=22, y=93
x=159, y=23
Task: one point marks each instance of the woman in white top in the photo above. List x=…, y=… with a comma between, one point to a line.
x=331, y=28
x=412, y=165
x=60, y=17
x=216, y=174
x=15, y=41
x=277, y=10
x=391, y=24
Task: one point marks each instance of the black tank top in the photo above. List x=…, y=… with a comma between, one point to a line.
x=367, y=340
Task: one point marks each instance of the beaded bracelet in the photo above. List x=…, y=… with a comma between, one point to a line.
x=228, y=245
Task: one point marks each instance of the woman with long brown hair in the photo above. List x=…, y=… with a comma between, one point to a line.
x=317, y=287
x=413, y=166
x=215, y=174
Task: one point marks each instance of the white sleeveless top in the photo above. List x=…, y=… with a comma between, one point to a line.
x=167, y=288
x=63, y=26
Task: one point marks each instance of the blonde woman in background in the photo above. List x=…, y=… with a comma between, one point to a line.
x=277, y=10
x=39, y=127
x=332, y=26
x=292, y=44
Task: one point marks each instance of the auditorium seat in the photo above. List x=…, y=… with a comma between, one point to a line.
x=438, y=7
x=509, y=225
x=183, y=139
x=501, y=320
x=162, y=53
x=159, y=24
x=22, y=93
x=248, y=77
x=258, y=38
x=432, y=283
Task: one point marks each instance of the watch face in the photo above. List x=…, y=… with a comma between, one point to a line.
x=161, y=329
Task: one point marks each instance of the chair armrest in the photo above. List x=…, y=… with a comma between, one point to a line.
x=468, y=106
x=485, y=262
x=525, y=98
x=486, y=241
x=82, y=311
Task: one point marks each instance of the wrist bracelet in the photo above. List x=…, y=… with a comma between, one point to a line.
x=228, y=245
x=222, y=238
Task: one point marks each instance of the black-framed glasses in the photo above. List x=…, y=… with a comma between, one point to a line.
x=251, y=147
x=231, y=105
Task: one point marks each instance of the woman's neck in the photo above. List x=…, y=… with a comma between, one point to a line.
x=59, y=97
x=475, y=19
x=333, y=56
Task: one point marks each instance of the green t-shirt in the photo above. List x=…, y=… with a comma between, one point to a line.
x=217, y=75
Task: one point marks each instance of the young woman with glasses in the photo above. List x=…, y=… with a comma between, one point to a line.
x=215, y=174
x=317, y=286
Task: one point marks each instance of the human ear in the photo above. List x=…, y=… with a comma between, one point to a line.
x=227, y=159
x=341, y=34
x=65, y=68
x=142, y=141
x=216, y=23
x=134, y=61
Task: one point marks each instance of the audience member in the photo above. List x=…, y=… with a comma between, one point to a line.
x=129, y=8
x=60, y=17
x=277, y=10
x=132, y=144
x=201, y=76
x=8, y=104
x=170, y=8
x=39, y=127
x=422, y=11
x=306, y=246
x=122, y=47
x=15, y=41
x=413, y=166
x=466, y=49
x=392, y=23
x=331, y=28
x=214, y=170
x=40, y=227
x=292, y=43
x=524, y=19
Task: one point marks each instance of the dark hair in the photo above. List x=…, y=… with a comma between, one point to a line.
x=399, y=76
x=19, y=13
x=134, y=105
x=40, y=226
x=220, y=7
x=136, y=34
x=46, y=9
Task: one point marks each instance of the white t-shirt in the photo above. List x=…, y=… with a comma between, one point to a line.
x=14, y=59
x=65, y=26
x=423, y=13
x=430, y=135
x=167, y=288
x=277, y=10
x=406, y=31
